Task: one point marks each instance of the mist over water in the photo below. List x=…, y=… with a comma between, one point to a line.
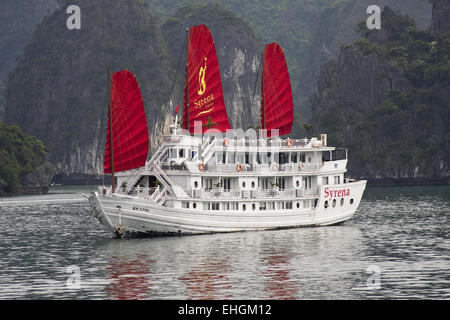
x=396, y=247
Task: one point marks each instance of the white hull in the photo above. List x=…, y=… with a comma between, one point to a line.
x=131, y=214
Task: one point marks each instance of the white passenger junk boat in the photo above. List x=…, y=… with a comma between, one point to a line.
x=216, y=181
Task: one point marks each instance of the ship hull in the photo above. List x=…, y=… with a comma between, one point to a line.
x=123, y=214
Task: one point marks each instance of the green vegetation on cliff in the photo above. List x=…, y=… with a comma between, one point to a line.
x=397, y=126
x=20, y=156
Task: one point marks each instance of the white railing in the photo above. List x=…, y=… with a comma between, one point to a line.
x=264, y=168
x=253, y=194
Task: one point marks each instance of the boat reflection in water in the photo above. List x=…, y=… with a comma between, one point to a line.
x=283, y=264
x=130, y=279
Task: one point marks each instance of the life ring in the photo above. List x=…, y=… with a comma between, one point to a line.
x=300, y=167
x=238, y=167
x=201, y=166
x=289, y=142
x=225, y=142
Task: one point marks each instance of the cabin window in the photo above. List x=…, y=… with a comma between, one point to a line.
x=303, y=157
x=173, y=153
x=281, y=205
x=324, y=181
x=253, y=184
x=342, y=202
x=337, y=179
x=225, y=183
x=351, y=201
x=226, y=206
x=181, y=153
x=334, y=203
x=306, y=181
x=283, y=158
x=271, y=205
x=215, y=206
x=288, y=204
x=206, y=206
x=207, y=184
x=306, y=204
x=326, y=204
x=263, y=183
x=253, y=207
x=185, y=205
x=293, y=157
x=244, y=207
x=262, y=206
x=298, y=205
x=194, y=205
x=234, y=206
x=281, y=182
x=231, y=157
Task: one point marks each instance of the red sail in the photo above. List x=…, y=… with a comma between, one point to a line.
x=129, y=125
x=277, y=106
x=205, y=101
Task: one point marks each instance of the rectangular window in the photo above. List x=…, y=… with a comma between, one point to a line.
x=281, y=205
x=337, y=179
x=324, y=181
x=185, y=204
x=288, y=205
x=207, y=184
x=206, y=206
x=225, y=183
x=215, y=206
x=281, y=182
x=271, y=205
x=262, y=206
x=234, y=206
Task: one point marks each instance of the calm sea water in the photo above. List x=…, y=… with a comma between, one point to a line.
x=396, y=247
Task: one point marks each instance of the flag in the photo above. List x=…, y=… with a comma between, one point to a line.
x=176, y=110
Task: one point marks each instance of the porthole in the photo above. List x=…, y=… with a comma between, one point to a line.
x=253, y=184
x=243, y=184
x=297, y=183
x=194, y=205
x=326, y=204
x=298, y=205
x=351, y=201
x=195, y=184
x=244, y=207
x=253, y=207
x=334, y=203
x=342, y=202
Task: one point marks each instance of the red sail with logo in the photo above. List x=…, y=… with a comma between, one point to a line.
x=277, y=106
x=128, y=121
x=203, y=92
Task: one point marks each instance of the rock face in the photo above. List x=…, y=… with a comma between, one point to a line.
x=239, y=53
x=389, y=103
x=57, y=91
x=441, y=20
x=18, y=19
x=336, y=25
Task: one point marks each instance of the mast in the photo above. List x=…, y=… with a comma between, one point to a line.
x=263, y=109
x=186, y=80
x=111, y=129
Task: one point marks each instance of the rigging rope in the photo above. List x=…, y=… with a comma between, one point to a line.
x=178, y=69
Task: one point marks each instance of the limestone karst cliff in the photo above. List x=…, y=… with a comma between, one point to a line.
x=386, y=97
